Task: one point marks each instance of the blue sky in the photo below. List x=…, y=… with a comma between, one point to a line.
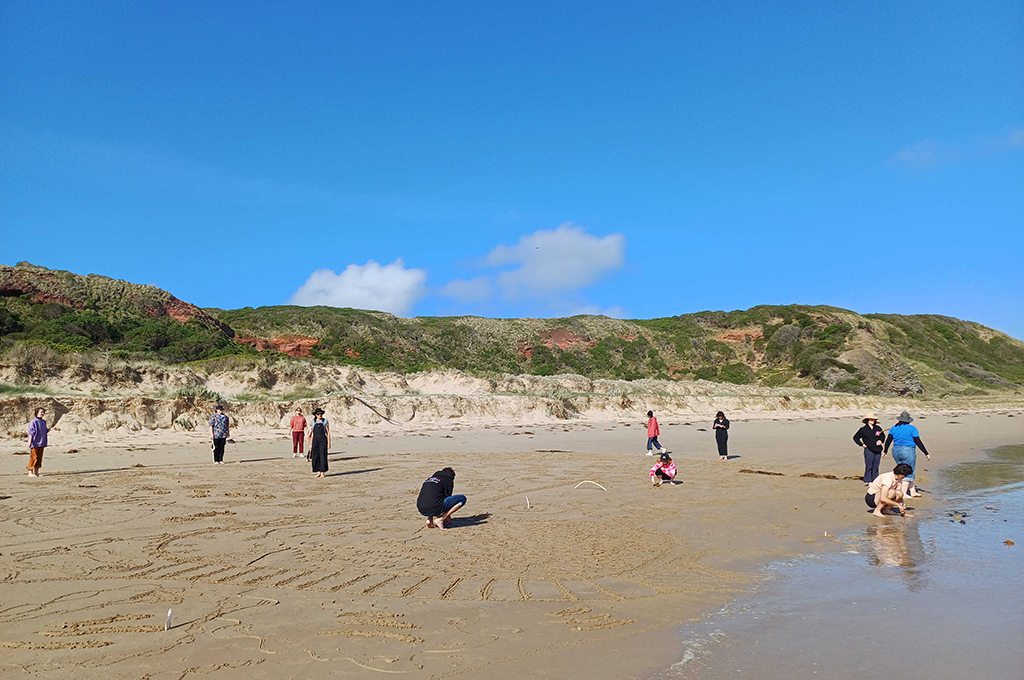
x=637, y=159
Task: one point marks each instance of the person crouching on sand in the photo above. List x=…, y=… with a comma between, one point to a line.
x=652, y=435
x=436, y=501
x=37, y=431
x=886, y=491
x=663, y=471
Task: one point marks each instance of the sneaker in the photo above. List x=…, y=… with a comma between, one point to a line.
x=650, y=453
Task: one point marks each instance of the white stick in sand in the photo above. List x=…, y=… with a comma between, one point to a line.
x=167, y=626
x=527, y=502
x=587, y=481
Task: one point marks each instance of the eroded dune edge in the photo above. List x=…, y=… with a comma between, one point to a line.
x=158, y=398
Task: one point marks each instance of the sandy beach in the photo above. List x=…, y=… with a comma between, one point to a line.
x=273, y=574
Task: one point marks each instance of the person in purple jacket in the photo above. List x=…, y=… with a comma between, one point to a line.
x=37, y=430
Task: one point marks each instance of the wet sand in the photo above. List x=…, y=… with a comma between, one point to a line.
x=271, y=573
x=934, y=596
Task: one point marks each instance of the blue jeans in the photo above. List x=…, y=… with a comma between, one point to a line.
x=908, y=455
x=452, y=501
x=652, y=442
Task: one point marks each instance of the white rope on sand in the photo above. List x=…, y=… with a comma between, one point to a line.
x=587, y=481
x=527, y=502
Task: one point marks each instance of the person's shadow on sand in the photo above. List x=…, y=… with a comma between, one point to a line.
x=352, y=472
x=470, y=520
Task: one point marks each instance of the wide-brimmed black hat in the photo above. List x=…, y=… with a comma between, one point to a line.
x=318, y=412
x=665, y=458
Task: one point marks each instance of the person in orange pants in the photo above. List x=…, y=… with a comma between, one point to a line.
x=37, y=431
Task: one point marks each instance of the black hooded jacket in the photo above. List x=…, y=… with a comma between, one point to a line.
x=434, y=491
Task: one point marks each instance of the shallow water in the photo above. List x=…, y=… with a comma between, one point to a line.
x=939, y=595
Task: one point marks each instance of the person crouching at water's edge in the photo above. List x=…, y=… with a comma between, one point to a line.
x=220, y=430
x=320, y=442
x=906, y=440
x=663, y=471
x=652, y=434
x=886, y=491
x=436, y=501
x=721, y=428
x=870, y=437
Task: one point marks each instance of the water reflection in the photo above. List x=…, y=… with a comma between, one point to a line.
x=898, y=545
x=1002, y=467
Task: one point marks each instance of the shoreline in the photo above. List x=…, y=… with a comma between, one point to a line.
x=596, y=582
x=928, y=564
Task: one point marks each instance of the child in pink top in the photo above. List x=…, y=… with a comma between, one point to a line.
x=663, y=470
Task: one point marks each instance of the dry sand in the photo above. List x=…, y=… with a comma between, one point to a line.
x=273, y=574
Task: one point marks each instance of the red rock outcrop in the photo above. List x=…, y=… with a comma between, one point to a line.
x=740, y=336
x=557, y=337
x=292, y=345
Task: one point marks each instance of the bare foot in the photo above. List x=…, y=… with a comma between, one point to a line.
x=32, y=474
x=430, y=523
x=878, y=513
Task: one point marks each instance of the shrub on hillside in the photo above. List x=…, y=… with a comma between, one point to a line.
x=197, y=392
x=706, y=373
x=738, y=373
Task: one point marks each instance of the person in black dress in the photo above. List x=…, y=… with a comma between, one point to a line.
x=320, y=442
x=870, y=437
x=721, y=427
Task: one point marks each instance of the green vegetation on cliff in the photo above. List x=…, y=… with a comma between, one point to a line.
x=816, y=346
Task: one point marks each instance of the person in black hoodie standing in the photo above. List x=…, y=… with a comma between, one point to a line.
x=721, y=428
x=871, y=438
x=436, y=499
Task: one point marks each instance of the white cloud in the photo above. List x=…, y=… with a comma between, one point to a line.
x=477, y=289
x=388, y=288
x=931, y=153
x=926, y=154
x=556, y=260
